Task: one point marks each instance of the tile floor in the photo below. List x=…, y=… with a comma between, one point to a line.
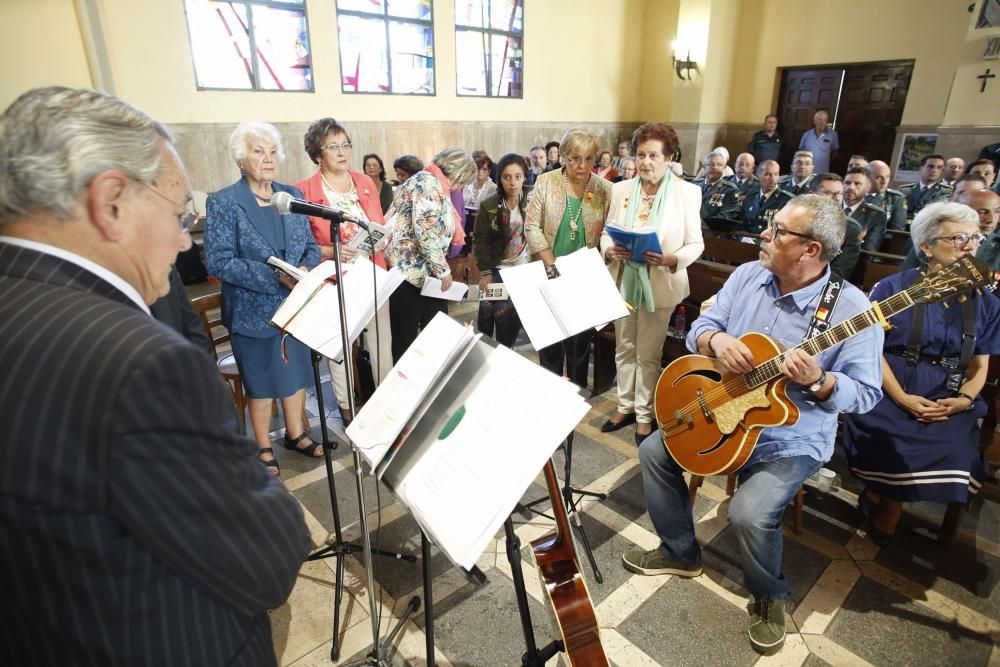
x=914, y=603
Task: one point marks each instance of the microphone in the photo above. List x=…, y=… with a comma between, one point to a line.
x=284, y=203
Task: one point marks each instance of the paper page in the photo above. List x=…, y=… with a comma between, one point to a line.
x=469, y=481
x=523, y=285
x=293, y=271
x=383, y=417
x=584, y=295
x=432, y=288
x=311, y=313
x=370, y=241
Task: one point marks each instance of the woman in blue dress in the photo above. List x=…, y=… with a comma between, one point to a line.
x=241, y=232
x=921, y=441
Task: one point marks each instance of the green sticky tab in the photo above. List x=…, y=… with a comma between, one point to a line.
x=452, y=423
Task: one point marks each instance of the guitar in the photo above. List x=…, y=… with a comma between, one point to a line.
x=710, y=420
x=564, y=584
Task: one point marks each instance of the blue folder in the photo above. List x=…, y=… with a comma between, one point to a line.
x=637, y=240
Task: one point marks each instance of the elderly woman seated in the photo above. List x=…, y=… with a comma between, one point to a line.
x=921, y=441
x=241, y=232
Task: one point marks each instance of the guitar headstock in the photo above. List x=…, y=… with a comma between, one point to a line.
x=964, y=274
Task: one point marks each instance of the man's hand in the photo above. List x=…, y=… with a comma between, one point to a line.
x=800, y=367
x=732, y=353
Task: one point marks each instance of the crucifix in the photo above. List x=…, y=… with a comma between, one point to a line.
x=985, y=77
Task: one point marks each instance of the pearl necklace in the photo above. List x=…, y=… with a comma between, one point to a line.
x=574, y=220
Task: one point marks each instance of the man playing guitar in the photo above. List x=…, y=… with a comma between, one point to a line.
x=787, y=295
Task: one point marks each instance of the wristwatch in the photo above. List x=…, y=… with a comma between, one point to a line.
x=818, y=384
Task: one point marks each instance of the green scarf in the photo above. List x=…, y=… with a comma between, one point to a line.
x=636, y=288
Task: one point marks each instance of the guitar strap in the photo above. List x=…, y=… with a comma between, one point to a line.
x=824, y=309
x=956, y=365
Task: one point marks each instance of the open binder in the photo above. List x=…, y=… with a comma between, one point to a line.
x=311, y=313
x=460, y=429
x=583, y=296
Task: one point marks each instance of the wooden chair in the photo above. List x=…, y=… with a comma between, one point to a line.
x=730, y=251
x=212, y=303
x=869, y=271
x=697, y=481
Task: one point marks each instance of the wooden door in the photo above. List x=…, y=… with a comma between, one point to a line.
x=803, y=93
x=871, y=106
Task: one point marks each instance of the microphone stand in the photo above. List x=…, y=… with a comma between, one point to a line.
x=339, y=549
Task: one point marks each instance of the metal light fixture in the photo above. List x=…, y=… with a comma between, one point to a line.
x=682, y=67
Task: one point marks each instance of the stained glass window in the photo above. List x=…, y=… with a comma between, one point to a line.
x=250, y=45
x=489, y=47
x=386, y=46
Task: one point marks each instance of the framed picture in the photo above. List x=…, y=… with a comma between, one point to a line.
x=985, y=20
x=913, y=149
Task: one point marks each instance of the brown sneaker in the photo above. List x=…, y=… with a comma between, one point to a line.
x=653, y=562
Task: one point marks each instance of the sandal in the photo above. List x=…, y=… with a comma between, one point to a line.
x=310, y=450
x=271, y=463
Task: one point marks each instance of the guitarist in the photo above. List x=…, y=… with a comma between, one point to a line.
x=777, y=296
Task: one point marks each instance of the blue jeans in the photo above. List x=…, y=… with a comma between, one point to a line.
x=754, y=513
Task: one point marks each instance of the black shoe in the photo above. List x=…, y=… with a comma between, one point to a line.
x=879, y=538
x=610, y=426
x=639, y=437
x=866, y=506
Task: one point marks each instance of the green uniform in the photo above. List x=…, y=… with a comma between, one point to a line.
x=894, y=204
x=917, y=197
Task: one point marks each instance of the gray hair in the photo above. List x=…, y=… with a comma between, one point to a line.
x=927, y=223
x=458, y=167
x=54, y=141
x=716, y=153
x=827, y=223
x=257, y=129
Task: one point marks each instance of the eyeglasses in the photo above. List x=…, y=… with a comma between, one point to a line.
x=576, y=160
x=337, y=148
x=186, y=219
x=777, y=231
x=961, y=240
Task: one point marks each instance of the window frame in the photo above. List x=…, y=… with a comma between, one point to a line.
x=252, y=43
x=490, y=32
x=385, y=17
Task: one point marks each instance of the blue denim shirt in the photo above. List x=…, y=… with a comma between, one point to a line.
x=750, y=301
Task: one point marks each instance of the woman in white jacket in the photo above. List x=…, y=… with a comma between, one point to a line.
x=658, y=199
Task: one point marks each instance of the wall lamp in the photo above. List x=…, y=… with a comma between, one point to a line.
x=684, y=67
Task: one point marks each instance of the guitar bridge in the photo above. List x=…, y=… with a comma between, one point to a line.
x=704, y=406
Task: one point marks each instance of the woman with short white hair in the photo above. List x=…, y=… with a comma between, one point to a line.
x=921, y=441
x=241, y=232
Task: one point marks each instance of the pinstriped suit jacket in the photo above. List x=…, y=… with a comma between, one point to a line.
x=136, y=527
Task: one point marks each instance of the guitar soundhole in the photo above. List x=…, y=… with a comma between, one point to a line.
x=718, y=443
x=707, y=373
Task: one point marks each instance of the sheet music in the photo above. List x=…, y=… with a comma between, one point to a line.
x=469, y=481
x=293, y=271
x=432, y=288
x=311, y=313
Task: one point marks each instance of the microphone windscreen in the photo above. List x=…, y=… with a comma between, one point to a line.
x=282, y=202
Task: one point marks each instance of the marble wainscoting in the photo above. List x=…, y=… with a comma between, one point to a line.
x=966, y=142
x=205, y=147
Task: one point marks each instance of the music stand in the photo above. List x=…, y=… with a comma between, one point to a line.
x=571, y=496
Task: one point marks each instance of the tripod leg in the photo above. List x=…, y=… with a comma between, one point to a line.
x=425, y=555
x=337, y=598
x=571, y=509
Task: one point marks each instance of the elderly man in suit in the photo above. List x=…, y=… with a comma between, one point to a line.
x=138, y=526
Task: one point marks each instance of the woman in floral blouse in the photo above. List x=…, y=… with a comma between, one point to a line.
x=566, y=214
x=426, y=224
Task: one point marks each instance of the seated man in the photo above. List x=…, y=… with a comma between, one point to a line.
x=954, y=167
x=778, y=296
x=832, y=186
x=143, y=529
x=760, y=206
x=986, y=204
x=870, y=217
x=719, y=197
x=744, y=179
x=928, y=188
x=857, y=161
x=798, y=181
x=892, y=202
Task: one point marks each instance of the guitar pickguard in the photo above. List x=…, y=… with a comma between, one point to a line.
x=729, y=415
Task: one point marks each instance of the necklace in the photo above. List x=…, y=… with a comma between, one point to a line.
x=265, y=200
x=574, y=217
x=332, y=189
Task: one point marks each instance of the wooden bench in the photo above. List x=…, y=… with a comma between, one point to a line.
x=873, y=267
x=730, y=251
x=895, y=241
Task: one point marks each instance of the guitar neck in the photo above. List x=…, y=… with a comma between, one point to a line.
x=771, y=369
x=555, y=495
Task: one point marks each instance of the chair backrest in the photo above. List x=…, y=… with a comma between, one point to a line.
x=705, y=279
x=209, y=308
x=868, y=272
x=895, y=241
x=730, y=251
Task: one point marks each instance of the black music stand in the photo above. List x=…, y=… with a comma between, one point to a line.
x=571, y=496
x=533, y=656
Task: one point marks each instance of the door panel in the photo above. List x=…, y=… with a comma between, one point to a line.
x=804, y=91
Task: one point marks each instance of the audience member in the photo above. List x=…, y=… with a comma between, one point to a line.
x=376, y=171
x=984, y=168
x=743, y=178
x=857, y=161
x=624, y=153
x=499, y=241
x=891, y=201
x=954, y=167
x=967, y=183
x=921, y=442
x=241, y=232
x=869, y=217
x=759, y=207
x=139, y=526
x=482, y=187
x=928, y=188
x=721, y=151
x=537, y=161
x=176, y=312
x=990, y=152
x=406, y=166
x=427, y=224
x=604, y=169
x=328, y=145
x=654, y=286
x=821, y=141
x=832, y=187
x=799, y=180
x=552, y=150
x=986, y=204
x=720, y=199
x=628, y=168
x=567, y=213
x=783, y=289
x=765, y=144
